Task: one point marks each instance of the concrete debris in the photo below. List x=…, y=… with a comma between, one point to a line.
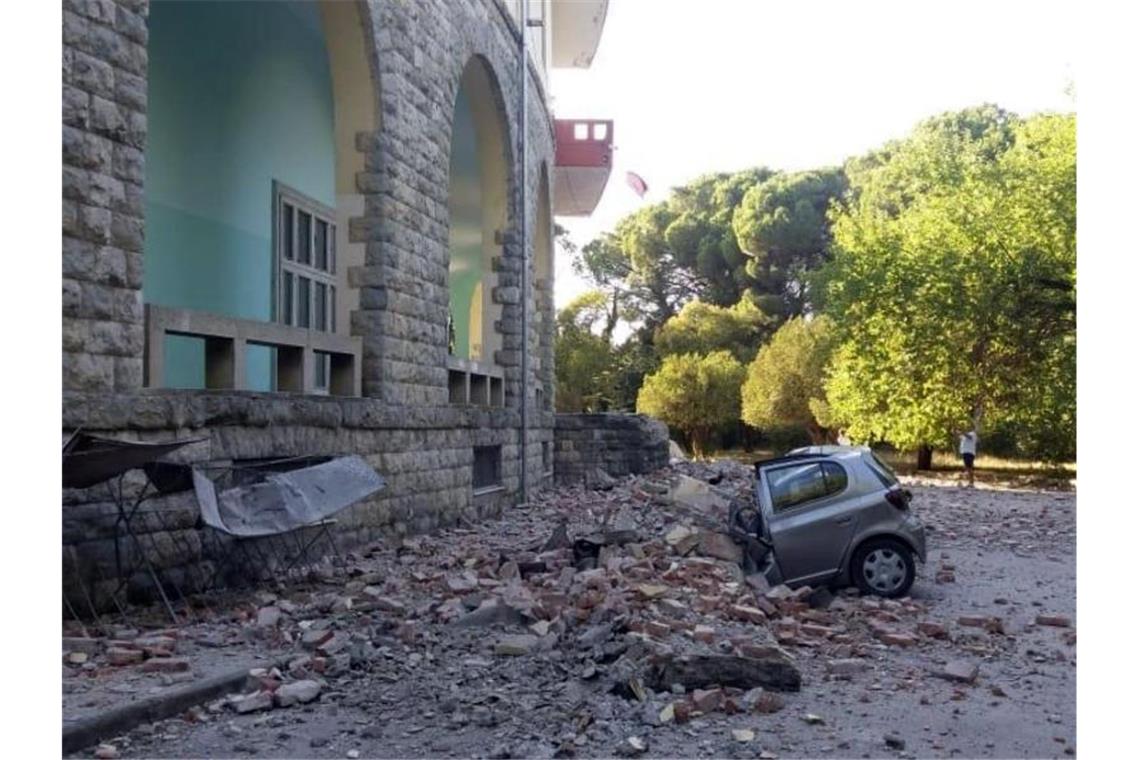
x=298, y=692
x=516, y=645
x=261, y=700
x=720, y=546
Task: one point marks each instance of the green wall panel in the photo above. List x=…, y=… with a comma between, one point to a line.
x=239, y=95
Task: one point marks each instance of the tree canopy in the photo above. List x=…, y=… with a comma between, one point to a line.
x=784, y=384
x=952, y=282
x=925, y=287
x=694, y=394
x=701, y=327
x=781, y=224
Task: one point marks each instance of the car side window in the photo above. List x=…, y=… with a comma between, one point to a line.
x=834, y=477
x=791, y=486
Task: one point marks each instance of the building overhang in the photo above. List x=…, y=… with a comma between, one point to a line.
x=583, y=159
x=576, y=31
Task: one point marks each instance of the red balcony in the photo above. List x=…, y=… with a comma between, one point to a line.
x=583, y=158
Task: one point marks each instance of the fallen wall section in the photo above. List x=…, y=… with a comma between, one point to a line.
x=617, y=444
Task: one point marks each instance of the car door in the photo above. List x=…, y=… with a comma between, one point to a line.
x=811, y=517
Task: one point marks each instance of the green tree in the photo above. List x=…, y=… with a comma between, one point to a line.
x=582, y=358
x=665, y=255
x=701, y=328
x=694, y=394
x=953, y=280
x=781, y=225
x=784, y=384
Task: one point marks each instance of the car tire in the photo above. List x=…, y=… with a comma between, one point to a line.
x=883, y=567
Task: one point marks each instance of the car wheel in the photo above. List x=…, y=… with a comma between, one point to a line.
x=883, y=567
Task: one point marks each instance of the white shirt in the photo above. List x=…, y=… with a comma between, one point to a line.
x=968, y=444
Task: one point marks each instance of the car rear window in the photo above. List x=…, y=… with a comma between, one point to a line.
x=792, y=486
x=883, y=471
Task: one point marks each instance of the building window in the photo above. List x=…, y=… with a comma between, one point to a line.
x=488, y=468
x=305, y=268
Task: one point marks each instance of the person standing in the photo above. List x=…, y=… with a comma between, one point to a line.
x=968, y=448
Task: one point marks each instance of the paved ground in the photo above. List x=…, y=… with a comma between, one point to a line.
x=443, y=691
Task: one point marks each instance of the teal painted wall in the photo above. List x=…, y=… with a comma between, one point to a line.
x=465, y=206
x=239, y=94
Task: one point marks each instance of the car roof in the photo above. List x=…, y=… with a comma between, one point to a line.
x=807, y=453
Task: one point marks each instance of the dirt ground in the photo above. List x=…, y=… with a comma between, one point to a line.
x=425, y=687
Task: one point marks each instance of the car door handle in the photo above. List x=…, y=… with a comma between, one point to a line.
x=844, y=520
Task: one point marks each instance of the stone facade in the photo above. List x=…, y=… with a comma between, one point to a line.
x=617, y=444
x=425, y=454
x=403, y=424
x=104, y=139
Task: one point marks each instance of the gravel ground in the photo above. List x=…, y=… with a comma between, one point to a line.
x=442, y=691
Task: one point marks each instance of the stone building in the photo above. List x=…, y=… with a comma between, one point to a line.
x=293, y=228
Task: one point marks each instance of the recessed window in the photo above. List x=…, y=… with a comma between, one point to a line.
x=305, y=269
x=305, y=295
x=487, y=472
x=581, y=131
x=600, y=131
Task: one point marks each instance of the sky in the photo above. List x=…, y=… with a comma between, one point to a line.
x=724, y=85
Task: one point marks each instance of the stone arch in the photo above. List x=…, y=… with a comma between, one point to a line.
x=352, y=63
x=245, y=98
x=480, y=183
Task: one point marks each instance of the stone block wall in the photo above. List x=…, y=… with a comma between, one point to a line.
x=618, y=444
x=425, y=455
x=104, y=138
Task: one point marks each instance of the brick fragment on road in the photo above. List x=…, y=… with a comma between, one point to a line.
x=933, y=630
x=117, y=656
x=960, y=671
x=707, y=700
x=749, y=614
x=847, y=668
x=898, y=639
x=704, y=633
x=1057, y=621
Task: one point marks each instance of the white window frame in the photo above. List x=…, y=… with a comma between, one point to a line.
x=287, y=267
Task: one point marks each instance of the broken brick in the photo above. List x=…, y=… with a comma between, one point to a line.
x=117, y=656
x=166, y=665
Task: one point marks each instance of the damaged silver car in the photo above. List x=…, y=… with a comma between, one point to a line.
x=832, y=515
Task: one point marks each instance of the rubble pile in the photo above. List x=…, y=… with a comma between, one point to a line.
x=579, y=623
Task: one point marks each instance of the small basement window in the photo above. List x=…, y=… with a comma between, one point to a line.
x=487, y=473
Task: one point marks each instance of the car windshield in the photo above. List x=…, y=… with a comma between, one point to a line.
x=883, y=471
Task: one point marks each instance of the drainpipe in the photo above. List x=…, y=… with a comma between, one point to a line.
x=524, y=24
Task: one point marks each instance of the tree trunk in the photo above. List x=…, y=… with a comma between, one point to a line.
x=925, y=458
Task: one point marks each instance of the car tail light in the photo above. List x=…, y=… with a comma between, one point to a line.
x=899, y=498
